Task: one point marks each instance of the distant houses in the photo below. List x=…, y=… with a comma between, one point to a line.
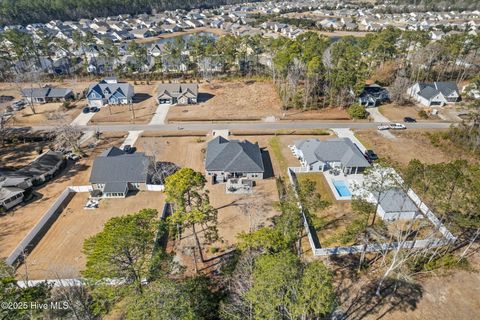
x=115, y=173
x=230, y=159
x=110, y=91
x=434, y=93
x=177, y=93
x=46, y=94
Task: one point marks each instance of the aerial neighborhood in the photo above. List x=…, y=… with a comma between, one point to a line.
x=219, y=159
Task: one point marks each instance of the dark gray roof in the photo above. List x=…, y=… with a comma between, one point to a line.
x=106, y=90
x=429, y=90
x=114, y=165
x=49, y=92
x=41, y=165
x=117, y=187
x=396, y=200
x=334, y=150
x=233, y=156
x=428, y=93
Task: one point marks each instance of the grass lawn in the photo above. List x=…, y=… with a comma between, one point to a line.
x=322, y=186
x=276, y=148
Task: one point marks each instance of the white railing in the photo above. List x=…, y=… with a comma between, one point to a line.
x=155, y=187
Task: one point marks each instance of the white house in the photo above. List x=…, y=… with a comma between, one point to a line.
x=434, y=93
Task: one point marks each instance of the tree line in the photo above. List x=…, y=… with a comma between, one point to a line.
x=33, y=11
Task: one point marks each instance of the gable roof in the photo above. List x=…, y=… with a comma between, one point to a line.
x=41, y=165
x=47, y=92
x=178, y=90
x=341, y=150
x=116, y=166
x=107, y=89
x=429, y=90
x=233, y=156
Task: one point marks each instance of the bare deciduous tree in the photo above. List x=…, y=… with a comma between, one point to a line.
x=68, y=137
x=398, y=90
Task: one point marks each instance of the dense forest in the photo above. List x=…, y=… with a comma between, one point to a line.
x=29, y=11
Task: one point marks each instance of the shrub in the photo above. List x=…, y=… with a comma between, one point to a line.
x=214, y=249
x=39, y=149
x=357, y=111
x=423, y=114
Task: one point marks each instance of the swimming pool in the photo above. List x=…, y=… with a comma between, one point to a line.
x=341, y=188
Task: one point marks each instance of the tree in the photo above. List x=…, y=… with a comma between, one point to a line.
x=11, y=293
x=191, y=205
x=285, y=288
x=398, y=90
x=357, y=111
x=68, y=137
x=163, y=299
x=123, y=250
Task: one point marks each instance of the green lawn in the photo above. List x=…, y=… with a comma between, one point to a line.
x=322, y=186
x=276, y=149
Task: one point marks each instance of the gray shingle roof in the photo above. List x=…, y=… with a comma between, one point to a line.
x=335, y=150
x=396, y=200
x=114, y=165
x=233, y=156
x=178, y=89
x=429, y=90
x=117, y=187
x=43, y=164
x=106, y=90
x=49, y=92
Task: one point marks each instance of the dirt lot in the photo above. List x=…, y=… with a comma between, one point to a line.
x=397, y=113
x=409, y=144
x=441, y=295
x=59, y=253
x=236, y=100
x=144, y=105
x=16, y=155
x=17, y=223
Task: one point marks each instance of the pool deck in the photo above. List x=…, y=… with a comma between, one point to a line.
x=352, y=181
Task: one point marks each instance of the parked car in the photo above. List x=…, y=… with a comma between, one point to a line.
x=73, y=157
x=86, y=110
x=397, y=126
x=409, y=119
x=94, y=109
x=17, y=105
x=371, y=155
x=128, y=148
x=383, y=127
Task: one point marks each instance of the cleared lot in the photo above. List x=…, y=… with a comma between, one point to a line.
x=240, y=100
x=59, y=253
x=409, y=144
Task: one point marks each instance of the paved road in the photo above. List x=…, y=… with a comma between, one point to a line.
x=247, y=126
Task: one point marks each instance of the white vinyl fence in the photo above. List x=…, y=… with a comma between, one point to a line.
x=155, y=187
x=376, y=247
x=40, y=228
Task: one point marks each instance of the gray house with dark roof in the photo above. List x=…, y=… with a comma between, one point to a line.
x=177, y=93
x=115, y=173
x=434, y=93
x=340, y=153
x=46, y=94
x=110, y=91
x=226, y=159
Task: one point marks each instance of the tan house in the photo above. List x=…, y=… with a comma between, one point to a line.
x=177, y=93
